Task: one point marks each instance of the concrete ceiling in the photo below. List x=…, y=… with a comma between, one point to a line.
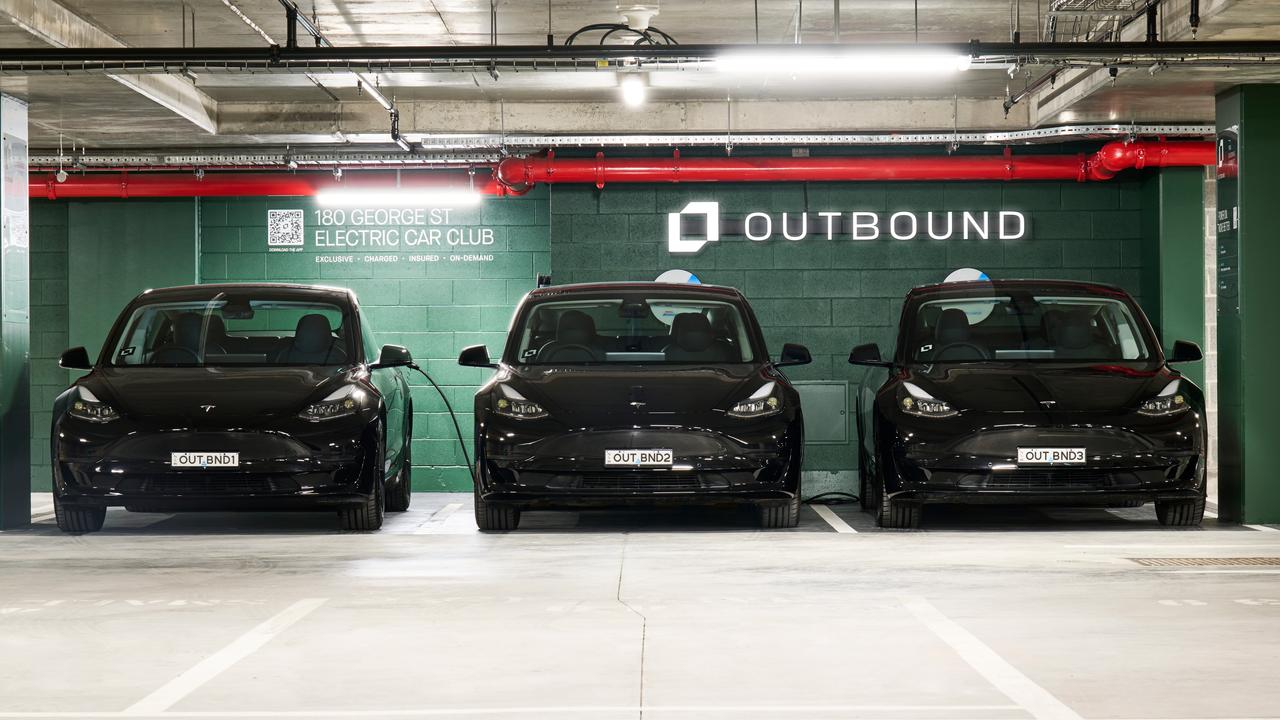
x=102, y=112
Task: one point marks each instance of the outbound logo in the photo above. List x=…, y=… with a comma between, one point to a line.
x=682, y=230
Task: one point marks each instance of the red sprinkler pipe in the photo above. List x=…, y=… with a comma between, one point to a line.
x=241, y=184
x=525, y=172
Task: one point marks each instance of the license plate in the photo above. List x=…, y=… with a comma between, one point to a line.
x=638, y=458
x=204, y=459
x=1051, y=456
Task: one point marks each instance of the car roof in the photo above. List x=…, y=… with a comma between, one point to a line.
x=197, y=292
x=1075, y=287
x=600, y=288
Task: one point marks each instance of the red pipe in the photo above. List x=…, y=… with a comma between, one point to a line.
x=172, y=184
x=517, y=175
x=524, y=172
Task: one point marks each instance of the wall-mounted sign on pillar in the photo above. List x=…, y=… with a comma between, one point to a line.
x=1248, y=172
x=15, y=318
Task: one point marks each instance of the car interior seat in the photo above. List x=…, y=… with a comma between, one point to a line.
x=693, y=340
x=312, y=343
x=575, y=340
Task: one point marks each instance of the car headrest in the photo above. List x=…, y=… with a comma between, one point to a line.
x=575, y=328
x=187, y=329
x=953, y=327
x=692, y=332
x=1074, y=331
x=314, y=334
x=217, y=328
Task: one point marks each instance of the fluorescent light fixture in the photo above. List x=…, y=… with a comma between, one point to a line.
x=633, y=90
x=882, y=63
x=404, y=197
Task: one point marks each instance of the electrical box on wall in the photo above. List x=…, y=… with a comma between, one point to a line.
x=826, y=411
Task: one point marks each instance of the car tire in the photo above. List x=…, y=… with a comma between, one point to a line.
x=897, y=515
x=77, y=520
x=399, y=498
x=865, y=500
x=1180, y=513
x=495, y=517
x=776, y=516
x=367, y=515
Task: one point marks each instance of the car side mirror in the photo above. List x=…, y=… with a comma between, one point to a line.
x=77, y=358
x=392, y=356
x=869, y=355
x=793, y=354
x=1185, y=351
x=476, y=356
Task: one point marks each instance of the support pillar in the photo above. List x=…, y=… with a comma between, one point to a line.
x=1173, y=253
x=15, y=318
x=1248, y=300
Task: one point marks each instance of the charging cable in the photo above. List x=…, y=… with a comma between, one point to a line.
x=456, y=427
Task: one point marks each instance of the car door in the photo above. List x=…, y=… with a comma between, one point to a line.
x=393, y=387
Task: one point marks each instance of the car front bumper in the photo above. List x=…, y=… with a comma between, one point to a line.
x=758, y=464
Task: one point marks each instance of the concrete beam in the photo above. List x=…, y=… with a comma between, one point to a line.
x=352, y=119
x=56, y=25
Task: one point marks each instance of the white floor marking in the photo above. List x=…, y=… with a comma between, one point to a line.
x=834, y=520
x=996, y=670
x=437, y=519
x=1241, y=571
x=767, y=710
x=41, y=517
x=1211, y=514
x=1262, y=528
x=1162, y=546
x=42, y=510
x=202, y=672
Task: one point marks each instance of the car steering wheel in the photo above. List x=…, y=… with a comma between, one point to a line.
x=195, y=357
x=978, y=350
x=569, y=346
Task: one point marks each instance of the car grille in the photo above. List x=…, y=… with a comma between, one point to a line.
x=1056, y=479
x=214, y=485
x=641, y=482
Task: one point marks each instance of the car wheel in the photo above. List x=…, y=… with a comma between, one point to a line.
x=781, y=515
x=896, y=514
x=495, y=517
x=401, y=495
x=1180, y=513
x=367, y=515
x=77, y=520
x=865, y=499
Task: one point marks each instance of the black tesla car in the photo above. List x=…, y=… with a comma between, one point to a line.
x=617, y=394
x=254, y=397
x=1029, y=391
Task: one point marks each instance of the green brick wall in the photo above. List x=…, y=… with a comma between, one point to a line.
x=828, y=295
x=434, y=309
x=832, y=295
x=48, y=327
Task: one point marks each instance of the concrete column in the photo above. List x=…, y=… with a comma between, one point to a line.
x=1248, y=300
x=15, y=318
x=1173, y=255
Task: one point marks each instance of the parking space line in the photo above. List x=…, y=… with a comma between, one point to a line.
x=1240, y=571
x=202, y=672
x=996, y=670
x=1262, y=528
x=433, y=523
x=835, y=521
x=589, y=710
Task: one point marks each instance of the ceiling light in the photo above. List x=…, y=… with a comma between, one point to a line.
x=633, y=90
x=406, y=197
x=883, y=63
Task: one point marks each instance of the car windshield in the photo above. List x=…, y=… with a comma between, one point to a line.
x=1035, y=328
x=631, y=329
x=248, y=328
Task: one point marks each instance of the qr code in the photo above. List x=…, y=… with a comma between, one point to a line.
x=284, y=228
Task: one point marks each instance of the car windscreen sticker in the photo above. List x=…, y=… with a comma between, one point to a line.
x=126, y=352
x=926, y=348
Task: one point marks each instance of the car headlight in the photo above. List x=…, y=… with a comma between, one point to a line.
x=346, y=400
x=762, y=403
x=915, y=401
x=88, y=407
x=514, y=405
x=1168, y=402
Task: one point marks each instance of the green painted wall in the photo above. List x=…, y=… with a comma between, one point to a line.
x=828, y=295
x=1173, y=245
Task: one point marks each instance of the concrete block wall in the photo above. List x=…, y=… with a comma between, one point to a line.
x=832, y=295
x=49, y=313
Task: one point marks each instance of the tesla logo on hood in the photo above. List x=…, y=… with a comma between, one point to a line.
x=208, y=408
x=677, y=244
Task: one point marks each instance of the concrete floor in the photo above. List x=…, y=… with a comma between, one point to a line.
x=989, y=614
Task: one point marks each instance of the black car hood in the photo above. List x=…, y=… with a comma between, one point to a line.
x=1024, y=387
x=236, y=394
x=593, y=394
